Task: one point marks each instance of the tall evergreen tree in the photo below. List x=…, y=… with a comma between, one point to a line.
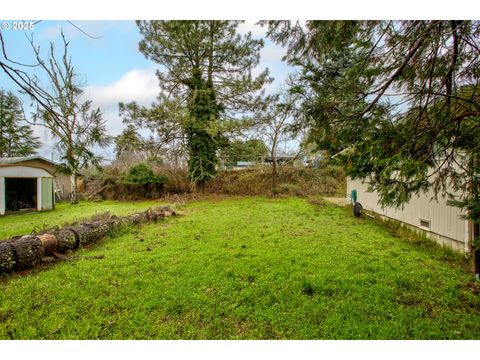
x=206, y=85
x=16, y=136
x=404, y=95
x=128, y=142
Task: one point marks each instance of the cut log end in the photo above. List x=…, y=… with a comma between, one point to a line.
x=49, y=242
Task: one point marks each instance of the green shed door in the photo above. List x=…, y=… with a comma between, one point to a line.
x=47, y=194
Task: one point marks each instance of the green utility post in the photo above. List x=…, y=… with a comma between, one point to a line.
x=353, y=196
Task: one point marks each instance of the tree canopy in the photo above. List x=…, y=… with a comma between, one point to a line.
x=403, y=95
x=207, y=89
x=245, y=150
x=128, y=142
x=16, y=136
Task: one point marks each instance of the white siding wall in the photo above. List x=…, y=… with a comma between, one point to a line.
x=444, y=220
x=2, y=195
x=39, y=194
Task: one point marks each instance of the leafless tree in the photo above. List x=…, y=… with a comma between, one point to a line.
x=275, y=122
x=60, y=107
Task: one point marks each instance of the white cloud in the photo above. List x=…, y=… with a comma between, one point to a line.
x=256, y=30
x=50, y=33
x=272, y=53
x=140, y=85
x=113, y=122
x=271, y=58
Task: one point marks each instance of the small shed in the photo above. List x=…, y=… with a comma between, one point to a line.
x=25, y=188
x=62, y=185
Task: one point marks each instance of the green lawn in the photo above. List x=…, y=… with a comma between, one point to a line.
x=248, y=268
x=18, y=224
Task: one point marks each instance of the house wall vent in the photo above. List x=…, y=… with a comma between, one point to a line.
x=425, y=223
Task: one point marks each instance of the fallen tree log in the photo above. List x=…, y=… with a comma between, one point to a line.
x=137, y=219
x=28, y=251
x=7, y=257
x=67, y=240
x=85, y=235
x=23, y=252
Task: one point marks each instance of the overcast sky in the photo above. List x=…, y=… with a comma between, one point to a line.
x=113, y=67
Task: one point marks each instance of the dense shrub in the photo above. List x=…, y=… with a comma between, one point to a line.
x=151, y=180
x=139, y=181
x=177, y=180
x=327, y=181
x=142, y=175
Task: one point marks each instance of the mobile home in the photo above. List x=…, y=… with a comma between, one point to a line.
x=435, y=218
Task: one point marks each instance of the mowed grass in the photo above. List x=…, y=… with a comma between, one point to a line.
x=64, y=213
x=248, y=268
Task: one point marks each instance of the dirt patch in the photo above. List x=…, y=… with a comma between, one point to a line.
x=339, y=201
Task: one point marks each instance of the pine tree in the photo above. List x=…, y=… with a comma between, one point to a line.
x=128, y=142
x=403, y=95
x=16, y=136
x=206, y=85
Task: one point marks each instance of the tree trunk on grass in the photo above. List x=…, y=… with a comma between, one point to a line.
x=7, y=257
x=274, y=172
x=67, y=240
x=23, y=252
x=28, y=250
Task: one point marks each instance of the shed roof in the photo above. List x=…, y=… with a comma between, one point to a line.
x=18, y=171
x=19, y=159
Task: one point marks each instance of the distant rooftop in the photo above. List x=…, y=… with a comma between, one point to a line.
x=246, y=163
x=283, y=155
